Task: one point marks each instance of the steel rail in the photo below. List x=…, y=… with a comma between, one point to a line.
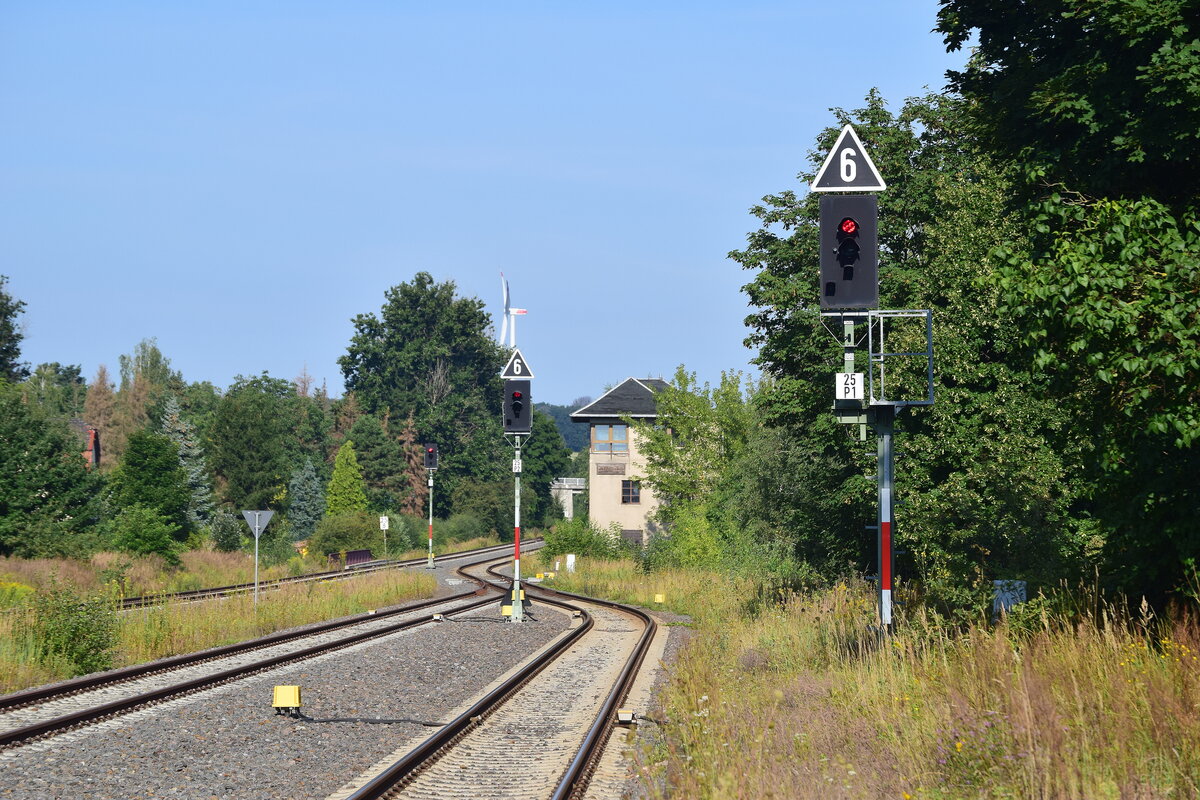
x=142, y=601
x=125, y=674
x=400, y=772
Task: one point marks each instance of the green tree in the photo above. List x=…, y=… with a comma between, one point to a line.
x=142, y=531
x=11, y=368
x=382, y=460
x=249, y=440
x=46, y=491
x=306, y=500
x=346, y=491
x=953, y=520
x=191, y=457
x=1102, y=96
x=59, y=389
x=347, y=530
x=1099, y=104
x=428, y=354
x=228, y=531
x=544, y=457
x=151, y=476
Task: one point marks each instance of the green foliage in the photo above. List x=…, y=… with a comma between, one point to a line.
x=151, y=476
x=1102, y=95
x=544, y=457
x=383, y=462
x=10, y=335
x=574, y=434
x=458, y=528
x=348, y=530
x=60, y=390
x=141, y=530
x=46, y=491
x=191, y=458
x=66, y=629
x=579, y=537
x=252, y=430
x=306, y=501
x=428, y=354
x=228, y=531
x=14, y=594
x=345, y=491
x=492, y=504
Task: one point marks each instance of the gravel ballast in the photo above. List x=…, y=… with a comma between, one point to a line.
x=364, y=702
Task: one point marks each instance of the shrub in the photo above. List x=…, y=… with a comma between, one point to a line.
x=578, y=536
x=143, y=531
x=459, y=528
x=349, y=530
x=13, y=594
x=227, y=531
x=71, y=631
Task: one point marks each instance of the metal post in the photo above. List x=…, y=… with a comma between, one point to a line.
x=518, y=609
x=885, y=417
x=257, y=531
x=429, y=565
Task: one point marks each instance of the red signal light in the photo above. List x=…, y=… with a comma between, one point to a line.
x=849, y=226
x=516, y=395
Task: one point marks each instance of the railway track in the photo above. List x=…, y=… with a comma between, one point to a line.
x=328, y=575
x=541, y=731
x=537, y=732
x=43, y=711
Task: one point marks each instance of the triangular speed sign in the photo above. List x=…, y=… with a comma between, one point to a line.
x=517, y=368
x=848, y=168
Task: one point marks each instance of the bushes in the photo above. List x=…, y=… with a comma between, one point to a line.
x=69, y=631
x=579, y=537
x=143, y=531
x=349, y=530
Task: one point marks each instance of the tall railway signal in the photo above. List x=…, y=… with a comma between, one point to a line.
x=431, y=465
x=518, y=421
x=849, y=288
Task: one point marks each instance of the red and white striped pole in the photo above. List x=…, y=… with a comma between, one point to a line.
x=884, y=418
x=430, y=564
x=518, y=608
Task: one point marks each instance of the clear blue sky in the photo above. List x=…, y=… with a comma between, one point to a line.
x=238, y=180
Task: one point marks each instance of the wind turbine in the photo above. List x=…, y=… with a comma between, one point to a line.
x=509, y=326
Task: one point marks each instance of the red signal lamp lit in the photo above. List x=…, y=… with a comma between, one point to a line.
x=516, y=395
x=849, y=226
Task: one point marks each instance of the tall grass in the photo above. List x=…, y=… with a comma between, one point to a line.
x=157, y=631
x=800, y=698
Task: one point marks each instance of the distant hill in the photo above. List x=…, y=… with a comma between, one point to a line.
x=574, y=434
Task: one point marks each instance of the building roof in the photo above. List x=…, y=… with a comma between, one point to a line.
x=634, y=397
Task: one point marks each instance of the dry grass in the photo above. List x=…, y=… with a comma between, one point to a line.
x=800, y=700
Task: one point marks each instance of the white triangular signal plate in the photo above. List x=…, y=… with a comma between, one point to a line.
x=848, y=167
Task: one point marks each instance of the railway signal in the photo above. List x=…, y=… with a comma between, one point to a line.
x=849, y=251
x=518, y=407
x=431, y=456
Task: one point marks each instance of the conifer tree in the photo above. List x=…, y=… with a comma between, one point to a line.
x=415, y=499
x=191, y=458
x=346, y=490
x=306, y=501
x=10, y=336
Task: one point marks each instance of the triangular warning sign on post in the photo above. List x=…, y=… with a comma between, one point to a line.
x=848, y=168
x=517, y=368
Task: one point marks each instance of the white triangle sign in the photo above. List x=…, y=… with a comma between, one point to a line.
x=517, y=368
x=848, y=168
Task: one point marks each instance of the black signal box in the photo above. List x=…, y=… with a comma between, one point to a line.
x=849, y=251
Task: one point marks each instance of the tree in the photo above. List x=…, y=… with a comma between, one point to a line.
x=98, y=410
x=141, y=531
x=382, y=460
x=1099, y=103
x=191, y=458
x=251, y=433
x=151, y=476
x=146, y=380
x=58, y=389
x=544, y=457
x=1102, y=96
x=416, y=499
x=306, y=501
x=944, y=209
x=46, y=491
x=428, y=355
x=10, y=336
x=346, y=491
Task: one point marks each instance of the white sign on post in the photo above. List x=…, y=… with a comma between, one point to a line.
x=257, y=520
x=383, y=523
x=848, y=386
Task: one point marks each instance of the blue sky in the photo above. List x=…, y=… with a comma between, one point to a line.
x=239, y=180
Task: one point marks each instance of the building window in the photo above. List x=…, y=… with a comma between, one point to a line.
x=610, y=438
x=631, y=492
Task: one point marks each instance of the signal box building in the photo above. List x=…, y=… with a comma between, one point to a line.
x=615, y=496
